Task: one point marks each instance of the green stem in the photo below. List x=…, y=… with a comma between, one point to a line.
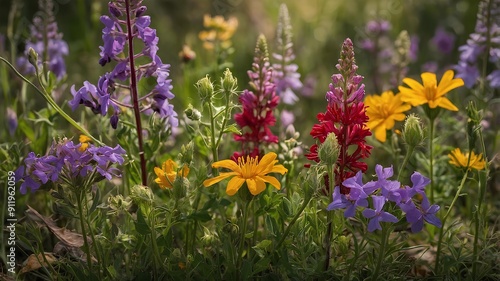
x=329, y=220
x=51, y=101
x=79, y=195
x=212, y=137
x=409, y=152
x=431, y=157
x=292, y=222
x=381, y=255
x=243, y=231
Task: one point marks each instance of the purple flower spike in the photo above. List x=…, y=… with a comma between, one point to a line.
x=376, y=215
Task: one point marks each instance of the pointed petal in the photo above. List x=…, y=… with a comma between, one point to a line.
x=272, y=180
x=222, y=176
x=266, y=163
x=447, y=83
x=429, y=79
x=279, y=169
x=446, y=104
x=255, y=186
x=413, y=84
x=228, y=164
x=234, y=185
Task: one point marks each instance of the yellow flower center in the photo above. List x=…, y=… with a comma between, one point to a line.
x=248, y=167
x=430, y=92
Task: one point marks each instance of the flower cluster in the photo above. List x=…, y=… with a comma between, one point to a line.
x=285, y=74
x=485, y=41
x=257, y=105
x=382, y=191
x=383, y=111
x=346, y=118
x=67, y=162
x=249, y=170
x=122, y=25
x=219, y=31
x=46, y=41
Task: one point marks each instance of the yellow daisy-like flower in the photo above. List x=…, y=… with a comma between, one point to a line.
x=430, y=92
x=218, y=29
x=252, y=171
x=168, y=172
x=459, y=159
x=382, y=111
x=84, y=140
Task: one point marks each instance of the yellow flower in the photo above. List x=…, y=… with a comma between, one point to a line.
x=459, y=159
x=168, y=172
x=430, y=92
x=84, y=140
x=218, y=29
x=252, y=171
x=382, y=111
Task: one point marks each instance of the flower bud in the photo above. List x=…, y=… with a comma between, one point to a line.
x=328, y=151
x=114, y=10
x=140, y=11
x=186, y=155
x=192, y=113
x=205, y=89
x=413, y=134
x=33, y=57
x=228, y=82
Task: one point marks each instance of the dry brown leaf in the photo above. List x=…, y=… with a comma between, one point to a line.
x=35, y=262
x=68, y=237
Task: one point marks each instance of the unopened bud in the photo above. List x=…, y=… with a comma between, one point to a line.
x=328, y=151
x=192, y=113
x=205, y=89
x=33, y=57
x=114, y=10
x=140, y=11
x=186, y=155
x=413, y=134
x=228, y=82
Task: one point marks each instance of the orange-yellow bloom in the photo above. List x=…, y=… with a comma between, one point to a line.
x=168, y=172
x=218, y=29
x=84, y=140
x=252, y=171
x=382, y=111
x=459, y=159
x=430, y=92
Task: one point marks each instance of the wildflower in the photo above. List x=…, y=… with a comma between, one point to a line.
x=484, y=41
x=285, y=74
x=252, y=171
x=430, y=92
x=258, y=104
x=459, y=159
x=11, y=121
x=345, y=116
x=218, y=31
x=376, y=215
x=67, y=163
x=108, y=94
x=45, y=40
x=85, y=142
x=416, y=216
x=444, y=41
x=187, y=54
x=168, y=173
x=383, y=111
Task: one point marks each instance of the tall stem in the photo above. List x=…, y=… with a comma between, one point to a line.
x=409, y=152
x=82, y=225
x=381, y=255
x=328, y=236
x=135, y=96
x=243, y=231
x=431, y=157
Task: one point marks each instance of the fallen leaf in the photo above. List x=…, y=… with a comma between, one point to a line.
x=35, y=262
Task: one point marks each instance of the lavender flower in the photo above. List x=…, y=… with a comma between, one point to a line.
x=11, y=121
x=443, y=41
x=376, y=215
x=285, y=74
x=46, y=41
x=485, y=41
x=385, y=190
x=108, y=93
x=67, y=162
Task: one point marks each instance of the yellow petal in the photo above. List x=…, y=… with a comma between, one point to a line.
x=169, y=166
x=429, y=79
x=159, y=172
x=255, y=186
x=381, y=134
x=413, y=84
x=228, y=164
x=266, y=163
x=279, y=169
x=234, y=185
x=447, y=83
x=447, y=104
x=272, y=180
x=222, y=176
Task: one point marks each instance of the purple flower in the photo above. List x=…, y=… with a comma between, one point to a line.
x=340, y=201
x=285, y=75
x=11, y=121
x=376, y=215
x=66, y=162
x=444, y=41
x=494, y=79
x=468, y=72
x=287, y=118
x=416, y=216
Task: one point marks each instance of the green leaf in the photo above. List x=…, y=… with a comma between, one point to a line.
x=232, y=129
x=202, y=216
x=95, y=200
x=26, y=129
x=262, y=247
x=141, y=226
